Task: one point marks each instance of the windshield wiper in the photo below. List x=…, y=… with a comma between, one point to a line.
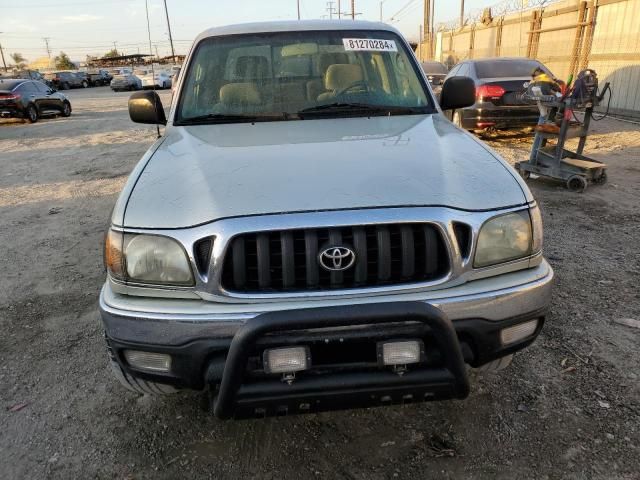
x=232, y=118
x=350, y=108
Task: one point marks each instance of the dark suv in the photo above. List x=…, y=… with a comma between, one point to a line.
x=29, y=99
x=500, y=83
x=66, y=80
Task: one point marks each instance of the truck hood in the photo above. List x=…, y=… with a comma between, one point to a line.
x=203, y=173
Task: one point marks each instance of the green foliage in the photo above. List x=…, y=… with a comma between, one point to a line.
x=63, y=62
x=112, y=53
x=19, y=60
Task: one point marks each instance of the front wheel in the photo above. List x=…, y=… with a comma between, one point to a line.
x=66, y=109
x=32, y=114
x=65, y=86
x=84, y=84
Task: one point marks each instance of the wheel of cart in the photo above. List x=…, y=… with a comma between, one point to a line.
x=577, y=183
x=523, y=173
x=602, y=179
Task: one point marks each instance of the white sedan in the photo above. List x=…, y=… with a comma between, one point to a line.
x=159, y=80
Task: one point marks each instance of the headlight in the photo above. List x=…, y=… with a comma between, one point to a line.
x=149, y=259
x=503, y=238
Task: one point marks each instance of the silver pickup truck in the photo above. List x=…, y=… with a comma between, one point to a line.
x=311, y=233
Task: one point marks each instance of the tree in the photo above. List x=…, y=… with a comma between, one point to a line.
x=19, y=60
x=63, y=62
x=112, y=53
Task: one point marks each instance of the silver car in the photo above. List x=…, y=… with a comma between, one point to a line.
x=311, y=233
x=125, y=81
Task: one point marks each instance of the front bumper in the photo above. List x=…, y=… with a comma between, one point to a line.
x=201, y=341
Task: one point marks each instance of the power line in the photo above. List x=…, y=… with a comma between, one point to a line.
x=410, y=4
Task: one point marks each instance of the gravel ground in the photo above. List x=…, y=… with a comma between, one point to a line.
x=568, y=407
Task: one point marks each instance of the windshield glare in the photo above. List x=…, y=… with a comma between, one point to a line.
x=282, y=74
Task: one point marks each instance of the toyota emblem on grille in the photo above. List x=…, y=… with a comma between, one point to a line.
x=337, y=259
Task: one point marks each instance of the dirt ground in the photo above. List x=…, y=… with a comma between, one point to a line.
x=568, y=407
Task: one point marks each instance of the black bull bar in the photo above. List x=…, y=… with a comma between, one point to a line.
x=237, y=398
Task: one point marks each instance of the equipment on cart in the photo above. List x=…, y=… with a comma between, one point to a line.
x=558, y=123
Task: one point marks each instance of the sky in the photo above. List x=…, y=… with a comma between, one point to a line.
x=90, y=27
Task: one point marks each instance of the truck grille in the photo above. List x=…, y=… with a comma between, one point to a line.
x=288, y=261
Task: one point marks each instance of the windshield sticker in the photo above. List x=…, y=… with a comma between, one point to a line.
x=369, y=45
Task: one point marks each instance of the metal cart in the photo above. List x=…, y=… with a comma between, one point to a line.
x=552, y=159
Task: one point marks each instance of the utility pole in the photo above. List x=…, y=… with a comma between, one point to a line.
x=173, y=53
x=2, y=54
x=353, y=9
x=461, y=14
x=298, y=2
x=339, y=10
x=433, y=30
x=46, y=42
x=115, y=48
x=155, y=45
x=426, y=29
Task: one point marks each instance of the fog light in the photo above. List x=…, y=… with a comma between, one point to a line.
x=400, y=353
x=518, y=332
x=154, y=362
x=286, y=360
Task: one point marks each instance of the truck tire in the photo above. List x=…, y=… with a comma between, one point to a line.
x=496, y=365
x=137, y=385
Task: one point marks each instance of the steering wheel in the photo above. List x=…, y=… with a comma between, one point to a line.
x=361, y=85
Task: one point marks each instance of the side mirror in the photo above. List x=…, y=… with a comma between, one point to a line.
x=457, y=92
x=146, y=107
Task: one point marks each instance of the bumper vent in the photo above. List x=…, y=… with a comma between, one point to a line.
x=288, y=261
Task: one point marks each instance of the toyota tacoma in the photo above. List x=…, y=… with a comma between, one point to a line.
x=311, y=233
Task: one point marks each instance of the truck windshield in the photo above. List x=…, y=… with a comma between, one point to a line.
x=299, y=75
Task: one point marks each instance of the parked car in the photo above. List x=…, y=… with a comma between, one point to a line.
x=30, y=99
x=66, y=80
x=119, y=71
x=125, y=81
x=85, y=80
x=312, y=233
x=159, y=80
x=500, y=83
x=436, y=73
x=98, y=78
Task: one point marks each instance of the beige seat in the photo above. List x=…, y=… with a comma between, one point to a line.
x=316, y=86
x=339, y=77
x=238, y=96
